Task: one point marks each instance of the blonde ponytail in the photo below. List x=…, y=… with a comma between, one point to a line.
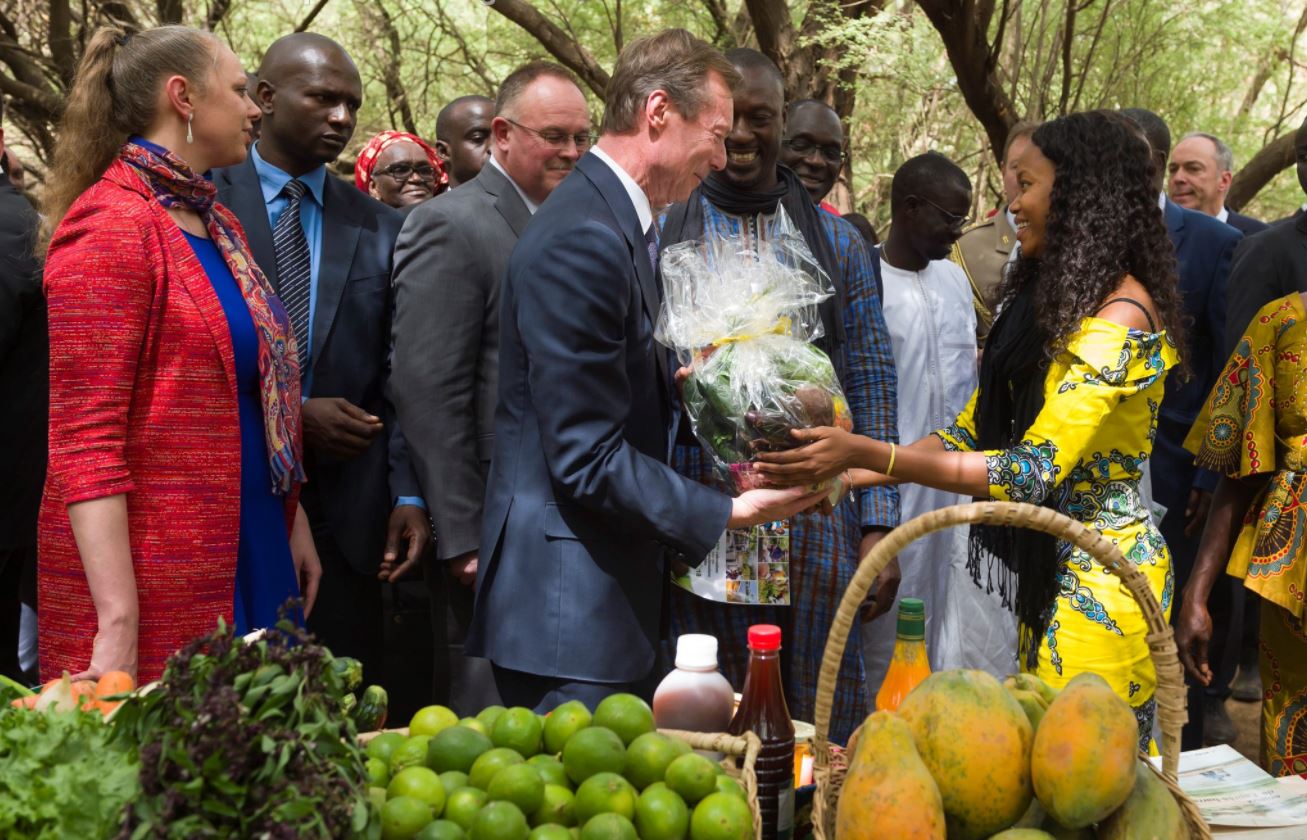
x=114, y=95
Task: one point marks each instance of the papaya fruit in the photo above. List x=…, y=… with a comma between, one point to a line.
x=1150, y=811
x=1030, y=682
x=1023, y=834
x=975, y=740
x=888, y=792
x=1037, y=817
x=1083, y=759
x=1034, y=705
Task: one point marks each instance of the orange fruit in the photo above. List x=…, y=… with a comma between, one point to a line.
x=113, y=682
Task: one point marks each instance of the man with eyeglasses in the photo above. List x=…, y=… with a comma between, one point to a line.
x=449, y=261
x=814, y=148
x=932, y=324
x=757, y=197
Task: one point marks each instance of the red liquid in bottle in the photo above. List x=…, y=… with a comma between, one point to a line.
x=763, y=711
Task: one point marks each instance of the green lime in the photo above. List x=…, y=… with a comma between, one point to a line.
x=419, y=783
x=564, y=722
x=593, y=750
x=555, y=808
x=520, y=784
x=551, y=769
x=462, y=806
x=609, y=827
x=627, y=715
x=402, y=817
x=383, y=745
x=411, y=753
x=603, y=793
x=473, y=723
x=518, y=729
x=489, y=715
x=499, y=821
x=661, y=814
x=489, y=763
x=692, y=776
x=725, y=784
x=377, y=796
x=647, y=759
x=430, y=720
x=441, y=830
x=456, y=748
x=550, y=831
x=721, y=816
x=453, y=780
x=378, y=772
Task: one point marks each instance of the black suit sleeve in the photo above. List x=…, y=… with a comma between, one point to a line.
x=403, y=478
x=1256, y=279
x=20, y=272
x=573, y=307
x=1216, y=317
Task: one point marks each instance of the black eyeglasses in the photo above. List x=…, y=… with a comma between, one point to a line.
x=557, y=138
x=953, y=220
x=804, y=147
x=403, y=171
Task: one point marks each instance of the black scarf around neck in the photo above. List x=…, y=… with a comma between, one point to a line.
x=1012, y=373
x=685, y=221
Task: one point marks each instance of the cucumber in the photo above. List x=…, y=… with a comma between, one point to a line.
x=370, y=713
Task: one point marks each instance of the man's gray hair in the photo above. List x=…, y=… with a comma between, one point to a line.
x=1224, y=157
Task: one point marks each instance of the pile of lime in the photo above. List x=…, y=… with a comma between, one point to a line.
x=510, y=774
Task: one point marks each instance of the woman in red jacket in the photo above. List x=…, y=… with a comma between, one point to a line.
x=172, y=493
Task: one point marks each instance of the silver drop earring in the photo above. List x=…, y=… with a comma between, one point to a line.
x=190, y=138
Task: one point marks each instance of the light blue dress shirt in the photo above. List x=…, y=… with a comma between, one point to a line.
x=272, y=181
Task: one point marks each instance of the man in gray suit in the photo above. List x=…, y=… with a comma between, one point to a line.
x=449, y=260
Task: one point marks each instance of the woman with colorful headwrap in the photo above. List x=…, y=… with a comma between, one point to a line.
x=400, y=169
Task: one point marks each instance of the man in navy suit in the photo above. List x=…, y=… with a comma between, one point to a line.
x=1204, y=248
x=582, y=512
x=1202, y=168
x=362, y=496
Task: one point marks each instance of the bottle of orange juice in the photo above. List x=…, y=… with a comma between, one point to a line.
x=909, y=665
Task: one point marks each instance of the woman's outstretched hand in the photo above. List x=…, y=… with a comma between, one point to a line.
x=825, y=452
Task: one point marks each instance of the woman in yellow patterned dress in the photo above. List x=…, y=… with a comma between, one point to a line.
x=1070, y=384
x=1254, y=432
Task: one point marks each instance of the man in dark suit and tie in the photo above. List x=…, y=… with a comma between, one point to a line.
x=25, y=393
x=1203, y=249
x=327, y=248
x=582, y=511
x=449, y=261
x=1202, y=168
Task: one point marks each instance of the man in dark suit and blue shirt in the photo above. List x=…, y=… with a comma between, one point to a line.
x=1203, y=250
x=327, y=249
x=582, y=511
x=1201, y=169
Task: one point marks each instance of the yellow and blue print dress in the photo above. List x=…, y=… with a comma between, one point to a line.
x=1083, y=456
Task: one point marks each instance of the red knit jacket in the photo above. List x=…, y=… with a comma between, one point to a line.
x=142, y=402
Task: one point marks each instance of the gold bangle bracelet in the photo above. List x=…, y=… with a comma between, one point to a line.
x=889, y=470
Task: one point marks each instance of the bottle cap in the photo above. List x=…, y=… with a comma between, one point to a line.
x=912, y=619
x=764, y=637
x=696, y=652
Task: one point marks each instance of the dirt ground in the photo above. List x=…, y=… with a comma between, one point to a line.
x=1247, y=719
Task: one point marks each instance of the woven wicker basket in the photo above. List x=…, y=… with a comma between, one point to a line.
x=829, y=767
x=744, y=747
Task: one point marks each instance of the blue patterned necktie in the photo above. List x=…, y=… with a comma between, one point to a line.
x=293, y=278
x=651, y=240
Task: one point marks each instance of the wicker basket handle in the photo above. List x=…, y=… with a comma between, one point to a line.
x=1171, y=695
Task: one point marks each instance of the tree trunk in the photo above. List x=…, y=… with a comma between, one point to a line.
x=1274, y=157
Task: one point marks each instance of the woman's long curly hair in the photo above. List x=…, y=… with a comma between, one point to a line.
x=1103, y=223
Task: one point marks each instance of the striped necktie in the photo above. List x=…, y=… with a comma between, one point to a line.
x=293, y=278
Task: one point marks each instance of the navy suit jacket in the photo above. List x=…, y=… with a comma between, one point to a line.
x=1246, y=225
x=348, y=501
x=1204, y=248
x=581, y=508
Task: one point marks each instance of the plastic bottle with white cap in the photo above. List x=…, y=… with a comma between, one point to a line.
x=695, y=696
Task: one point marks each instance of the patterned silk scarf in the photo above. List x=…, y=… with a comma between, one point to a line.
x=175, y=185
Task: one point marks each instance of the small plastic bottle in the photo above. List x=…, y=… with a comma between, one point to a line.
x=695, y=697
x=764, y=712
x=910, y=665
